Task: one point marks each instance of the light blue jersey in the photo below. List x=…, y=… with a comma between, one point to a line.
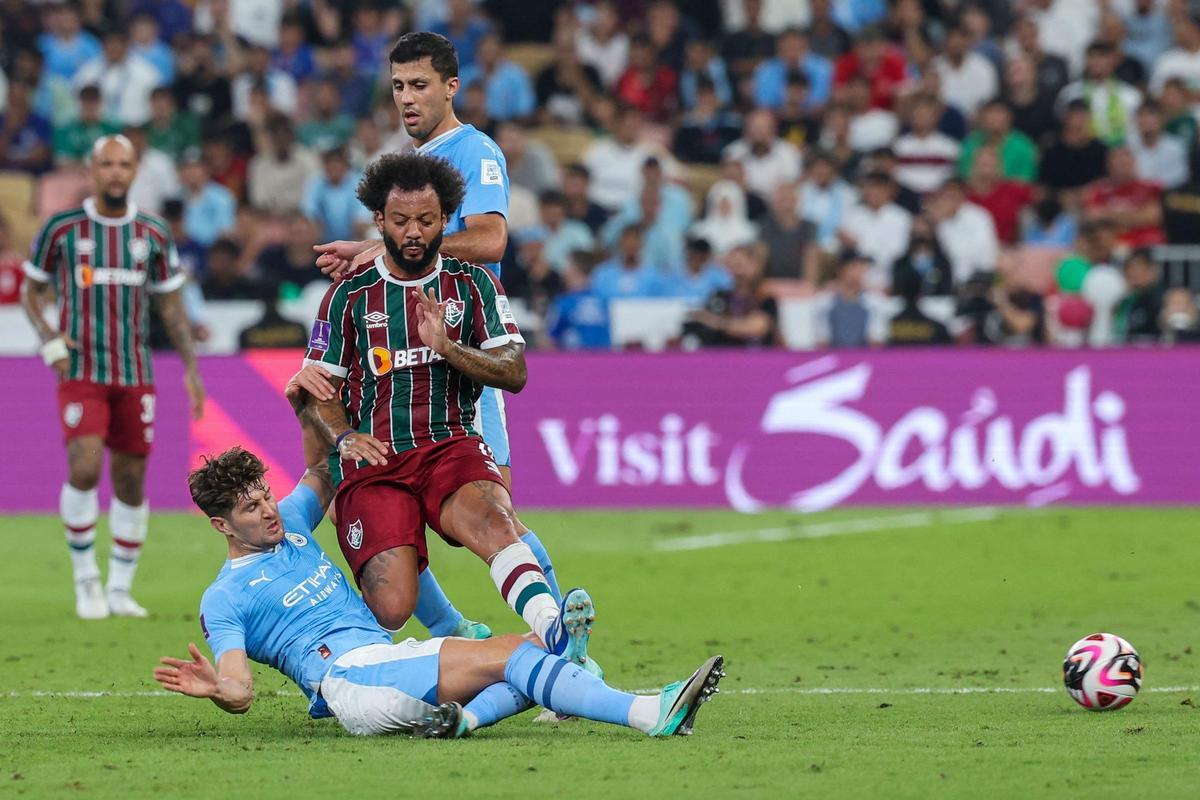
x=484, y=170
x=290, y=608
x=485, y=173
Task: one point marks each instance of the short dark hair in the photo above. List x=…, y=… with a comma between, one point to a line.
x=579, y=170
x=221, y=481
x=410, y=172
x=417, y=45
x=552, y=197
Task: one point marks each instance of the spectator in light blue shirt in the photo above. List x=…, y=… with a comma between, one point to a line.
x=700, y=63
x=1147, y=32
x=464, y=28
x=662, y=238
x=209, y=209
x=144, y=41
x=65, y=45
x=578, y=318
x=791, y=54
x=560, y=236
x=854, y=15
x=506, y=85
x=702, y=276
x=330, y=201
x=626, y=275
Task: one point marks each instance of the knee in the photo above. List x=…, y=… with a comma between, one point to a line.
x=393, y=608
x=84, y=474
x=498, y=529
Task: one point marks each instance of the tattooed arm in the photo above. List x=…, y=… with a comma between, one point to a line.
x=502, y=367
x=170, y=306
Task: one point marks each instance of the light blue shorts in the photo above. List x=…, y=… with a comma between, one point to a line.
x=383, y=688
x=492, y=424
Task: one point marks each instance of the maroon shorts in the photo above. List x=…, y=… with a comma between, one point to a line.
x=379, y=508
x=122, y=415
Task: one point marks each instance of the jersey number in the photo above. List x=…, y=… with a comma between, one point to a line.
x=147, y=409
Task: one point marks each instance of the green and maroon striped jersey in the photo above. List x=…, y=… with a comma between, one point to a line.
x=103, y=269
x=397, y=389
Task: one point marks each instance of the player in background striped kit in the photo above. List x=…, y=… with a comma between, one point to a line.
x=102, y=264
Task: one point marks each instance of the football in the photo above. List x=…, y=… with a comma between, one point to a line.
x=1102, y=672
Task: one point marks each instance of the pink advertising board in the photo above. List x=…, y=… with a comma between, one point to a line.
x=746, y=430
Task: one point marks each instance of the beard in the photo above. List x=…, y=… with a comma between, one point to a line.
x=411, y=266
x=114, y=200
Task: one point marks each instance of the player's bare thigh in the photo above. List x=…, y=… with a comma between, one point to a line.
x=389, y=585
x=128, y=473
x=480, y=517
x=506, y=473
x=468, y=666
x=85, y=458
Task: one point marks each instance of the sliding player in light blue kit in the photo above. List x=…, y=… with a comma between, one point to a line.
x=278, y=600
x=424, y=69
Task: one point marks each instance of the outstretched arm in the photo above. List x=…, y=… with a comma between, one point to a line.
x=502, y=367
x=329, y=423
x=481, y=242
x=230, y=687
x=170, y=306
x=311, y=382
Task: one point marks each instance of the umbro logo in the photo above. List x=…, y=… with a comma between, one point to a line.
x=376, y=319
x=263, y=579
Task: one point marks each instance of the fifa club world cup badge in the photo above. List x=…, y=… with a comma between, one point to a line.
x=454, y=313
x=354, y=534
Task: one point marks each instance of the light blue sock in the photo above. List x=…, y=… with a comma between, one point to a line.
x=434, y=610
x=496, y=702
x=543, y=558
x=565, y=688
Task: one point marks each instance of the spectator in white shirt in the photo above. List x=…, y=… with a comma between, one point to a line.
x=767, y=160
x=965, y=231
x=1161, y=157
x=1113, y=102
x=615, y=162
x=125, y=79
x=602, y=45
x=926, y=156
x=870, y=127
x=968, y=79
x=877, y=228
x=281, y=169
x=157, y=180
x=1182, y=61
x=280, y=86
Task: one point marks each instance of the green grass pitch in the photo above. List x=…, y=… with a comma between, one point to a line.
x=887, y=607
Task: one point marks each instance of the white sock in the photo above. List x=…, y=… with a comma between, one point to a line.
x=128, y=527
x=79, y=510
x=516, y=573
x=472, y=720
x=643, y=714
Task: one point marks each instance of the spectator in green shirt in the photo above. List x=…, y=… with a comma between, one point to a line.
x=71, y=143
x=170, y=130
x=329, y=127
x=1018, y=153
x=1177, y=111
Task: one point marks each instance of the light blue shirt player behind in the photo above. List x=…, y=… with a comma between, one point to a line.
x=289, y=608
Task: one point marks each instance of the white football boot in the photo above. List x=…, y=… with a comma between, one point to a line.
x=122, y=604
x=89, y=599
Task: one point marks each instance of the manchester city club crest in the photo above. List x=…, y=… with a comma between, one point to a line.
x=139, y=249
x=454, y=312
x=297, y=539
x=354, y=534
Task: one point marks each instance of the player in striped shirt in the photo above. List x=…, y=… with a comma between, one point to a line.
x=424, y=70
x=409, y=341
x=103, y=263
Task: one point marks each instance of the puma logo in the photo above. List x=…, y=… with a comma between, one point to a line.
x=263, y=579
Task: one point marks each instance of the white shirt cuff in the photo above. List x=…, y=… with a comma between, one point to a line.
x=172, y=283
x=496, y=341
x=33, y=272
x=332, y=369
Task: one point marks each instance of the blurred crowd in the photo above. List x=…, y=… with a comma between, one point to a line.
x=986, y=171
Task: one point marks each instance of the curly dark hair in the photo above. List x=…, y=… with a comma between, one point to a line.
x=223, y=480
x=424, y=44
x=410, y=172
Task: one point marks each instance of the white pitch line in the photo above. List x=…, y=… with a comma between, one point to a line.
x=799, y=690
x=820, y=530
